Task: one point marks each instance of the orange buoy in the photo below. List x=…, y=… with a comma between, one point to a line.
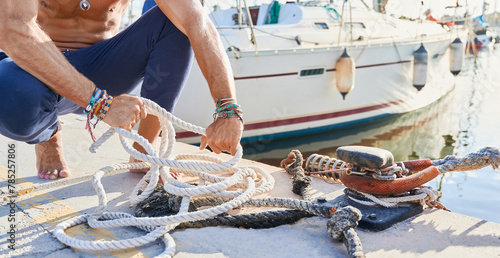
x=420, y=67
x=344, y=75
x=456, y=56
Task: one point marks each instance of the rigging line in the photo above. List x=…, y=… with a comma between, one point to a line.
x=392, y=38
x=211, y=13
x=217, y=25
x=420, y=21
x=367, y=7
x=350, y=18
x=289, y=38
x=341, y=23
x=397, y=51
x=370, y=36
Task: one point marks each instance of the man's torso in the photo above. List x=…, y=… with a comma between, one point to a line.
x=72, y=28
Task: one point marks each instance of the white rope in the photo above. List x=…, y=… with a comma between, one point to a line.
x=424, y=194
x=248, y=181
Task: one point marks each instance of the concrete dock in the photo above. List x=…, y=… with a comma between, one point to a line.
x=31, y=216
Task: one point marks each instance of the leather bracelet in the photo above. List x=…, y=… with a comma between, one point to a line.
x=228, y=114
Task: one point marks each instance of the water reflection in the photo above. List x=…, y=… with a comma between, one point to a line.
x=425, y=133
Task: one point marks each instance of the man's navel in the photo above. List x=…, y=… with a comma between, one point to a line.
x=44, y=4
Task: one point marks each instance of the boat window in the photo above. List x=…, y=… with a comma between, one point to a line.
x=480, y=32
x=356, y=25
x=254, y=13
x=311, y=72
x=321, y=25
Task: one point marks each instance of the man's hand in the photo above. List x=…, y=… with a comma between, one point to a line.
x=125, y=111
x=224, y=134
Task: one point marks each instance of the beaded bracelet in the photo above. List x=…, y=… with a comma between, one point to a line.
x=233, y=105
x=222, y=106
x=96, y=95
x=97, y=108
x=105, y=108
x=98, y=105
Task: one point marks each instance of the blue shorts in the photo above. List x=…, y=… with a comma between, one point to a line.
x=152, y=49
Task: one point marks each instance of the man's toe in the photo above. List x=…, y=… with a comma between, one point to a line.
x=64, y=173
x=41, y=174
x=53, y=174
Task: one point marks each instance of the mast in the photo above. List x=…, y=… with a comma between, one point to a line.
x=240, y=13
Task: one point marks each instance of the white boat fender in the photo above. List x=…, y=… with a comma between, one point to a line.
x=420, y=67
x=344, y=75
x=456, y=56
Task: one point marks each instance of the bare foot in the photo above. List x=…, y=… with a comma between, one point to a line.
x=145, y=170
x=50, y=161
x=140, y=170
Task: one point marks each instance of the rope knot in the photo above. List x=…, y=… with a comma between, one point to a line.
x=342, y=220
x=293, y=166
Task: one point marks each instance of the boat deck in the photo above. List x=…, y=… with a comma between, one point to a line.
x=434, y=233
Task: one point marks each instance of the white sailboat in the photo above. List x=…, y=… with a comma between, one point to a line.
x=285, y=59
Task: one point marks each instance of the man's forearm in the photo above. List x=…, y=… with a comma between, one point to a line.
x=33, y=50
x=215, y=64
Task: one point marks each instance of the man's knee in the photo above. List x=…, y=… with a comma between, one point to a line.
x=159, y=18
x=27, y=123
x=29, y=133
x=28, y=106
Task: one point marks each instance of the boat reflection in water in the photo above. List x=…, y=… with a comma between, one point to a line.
x=424, y=133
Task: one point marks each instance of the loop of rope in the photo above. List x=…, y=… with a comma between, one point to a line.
x=301, y=183
x=341, y=227
x=424, y=194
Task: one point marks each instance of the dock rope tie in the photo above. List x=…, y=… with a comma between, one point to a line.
x=301, y=183
x=426, y=194
x=341, y=227
x=250, y=181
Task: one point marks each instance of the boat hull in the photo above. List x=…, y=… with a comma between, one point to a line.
x=280, y=102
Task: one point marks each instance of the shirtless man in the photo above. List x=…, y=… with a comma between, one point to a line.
x=58, y=51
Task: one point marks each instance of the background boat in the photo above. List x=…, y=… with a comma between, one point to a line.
x=286, y=72
x=424, y=133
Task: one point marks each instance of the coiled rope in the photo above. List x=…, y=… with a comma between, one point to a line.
x=250, y=181
x=254, y=180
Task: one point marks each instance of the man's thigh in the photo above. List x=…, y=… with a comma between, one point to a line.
x=151, y=50
x=28, y=108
